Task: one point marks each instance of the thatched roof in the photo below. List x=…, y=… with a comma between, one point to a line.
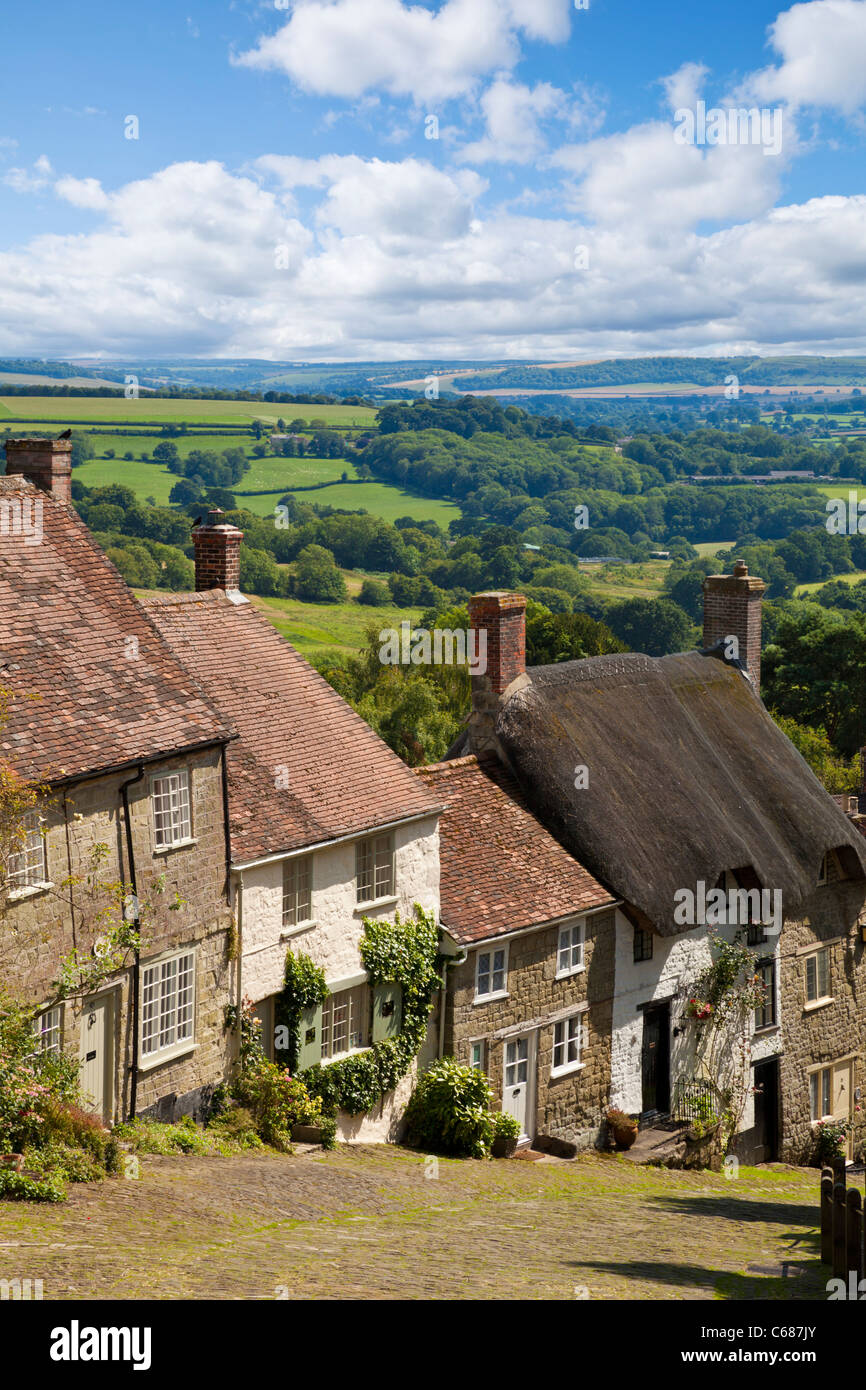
x=688, y=776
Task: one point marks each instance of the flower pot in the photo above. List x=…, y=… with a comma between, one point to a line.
x=624, y=1135
x=503, y=1147
x=13, y=1161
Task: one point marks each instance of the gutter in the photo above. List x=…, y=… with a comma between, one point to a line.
x=240, y=927
x=534, y=926
x=136, y=965
x=458, y=959
x=89, y=774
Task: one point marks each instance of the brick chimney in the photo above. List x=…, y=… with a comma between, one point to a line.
x=47, y=463
x=732, y=608
x=217, y=553
x=503, y=616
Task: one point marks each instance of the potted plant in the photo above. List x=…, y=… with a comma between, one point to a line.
x=832, y=1139
x=506, y=1132
x=622, y=1128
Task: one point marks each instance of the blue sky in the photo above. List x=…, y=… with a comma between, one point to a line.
x=281, y=199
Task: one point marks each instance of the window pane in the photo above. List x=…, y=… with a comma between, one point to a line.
x=498, y=971
x=171, y=817
x=823, y=975
x=26, y=865
x=811, y=978
x=297, y=879
x=483, y=981
x=826, y=1104
x=167, y=1003
x=344, y=1021
x=813, y=1095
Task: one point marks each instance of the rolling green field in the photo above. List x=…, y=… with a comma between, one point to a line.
x=853, y=578
x=316, y=628
x=281, y=475
x=711, y=547
x=72, y=410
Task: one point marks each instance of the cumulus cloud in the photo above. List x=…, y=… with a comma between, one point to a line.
x=513, y=117
x=822, y=48
x=399, y=258
x=31, y=180
x=344, y=48
x=683, y=87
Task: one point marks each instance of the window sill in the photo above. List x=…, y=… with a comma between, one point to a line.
x=361, y=908
x=556, y=1072
x=766, y=1029
x=569, y=974
x=343, y=1056
x=168, y=1054
x=490, y=998
x=818, y=1004
x=288, y=932
x=17, y=895
x=178, y=844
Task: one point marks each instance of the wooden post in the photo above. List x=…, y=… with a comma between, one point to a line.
x=840, y=1269
x=854, y=1235
x=840, y=1170
x=827, y=1216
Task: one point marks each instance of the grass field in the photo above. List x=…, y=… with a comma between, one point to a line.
x=710, y=548
x=627, y=581
x=853, y=578
x=72, y=410
x=278, y=474
x=316, y=628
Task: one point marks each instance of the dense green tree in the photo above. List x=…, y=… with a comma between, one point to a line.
x=317, y=579
x=656, y=626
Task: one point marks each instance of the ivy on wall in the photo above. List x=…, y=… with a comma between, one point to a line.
x=404, y=953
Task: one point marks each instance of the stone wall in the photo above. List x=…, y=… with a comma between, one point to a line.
x=829, y=1032
x=568, y=1108
x=46, y=924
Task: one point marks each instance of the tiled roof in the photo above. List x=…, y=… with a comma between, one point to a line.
x=306, y=767
x=500, y=869
x=93, y=685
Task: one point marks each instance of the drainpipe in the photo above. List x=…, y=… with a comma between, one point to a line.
x=240, y=926
x=136, y=964
x=459, y=959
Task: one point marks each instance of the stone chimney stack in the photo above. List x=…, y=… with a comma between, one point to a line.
x=732, y=608
x=217, y=554
x=47, y=463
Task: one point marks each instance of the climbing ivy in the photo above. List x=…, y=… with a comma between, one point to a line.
x=304, y=988
x=403, y=952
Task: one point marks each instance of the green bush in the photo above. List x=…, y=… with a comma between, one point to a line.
x=505, y=1126
x=277, y=1102
x=450, y=1110
x=20, y=1188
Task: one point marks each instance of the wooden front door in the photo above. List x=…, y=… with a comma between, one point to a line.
x=96, y=1053
x=516, y=1082
x=656, y=1059
x=843, y=1098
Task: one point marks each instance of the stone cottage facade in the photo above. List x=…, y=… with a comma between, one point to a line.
x=130, y=758
x=529, y=947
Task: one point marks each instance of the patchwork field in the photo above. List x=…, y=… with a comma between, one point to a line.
x=316, y=628
x=71, y=410
x=384, y=1223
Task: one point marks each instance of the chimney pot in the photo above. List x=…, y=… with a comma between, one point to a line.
x=47, y=463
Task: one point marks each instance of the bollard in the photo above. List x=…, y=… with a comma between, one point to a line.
x=827, y=1216
x=840, y=1270
x=854, y=1235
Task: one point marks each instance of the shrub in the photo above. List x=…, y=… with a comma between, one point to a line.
x=276, y=1101
x=505, y=1126
x=23, y=1189
x=450, y=1110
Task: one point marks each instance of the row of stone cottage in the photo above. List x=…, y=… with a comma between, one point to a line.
x=186, y=736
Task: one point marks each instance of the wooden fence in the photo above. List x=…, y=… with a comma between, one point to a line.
x=843, y=1223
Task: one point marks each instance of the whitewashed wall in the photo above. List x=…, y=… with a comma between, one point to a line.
x=332, y=940
x=676, y=962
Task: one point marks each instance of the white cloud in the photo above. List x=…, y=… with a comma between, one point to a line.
x=683, y=87
x=82, y=193
x=822, y=46
x=32, y=180
x=346, y=47
x=512, y=115
x=402, y=259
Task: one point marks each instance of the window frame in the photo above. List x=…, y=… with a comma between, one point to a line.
x=292, y=867
x=367, y=846
x=812, y=1002
x=491, y=972
x=579, y=927
x=816, y=1085
x=178, y=1045
x=767, y=963
x=479, y=1048
x=40, y=1034
x=577, y=1063
x=359, y=1005
x=639, y=940
x=184, y=778
x=26, y=879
